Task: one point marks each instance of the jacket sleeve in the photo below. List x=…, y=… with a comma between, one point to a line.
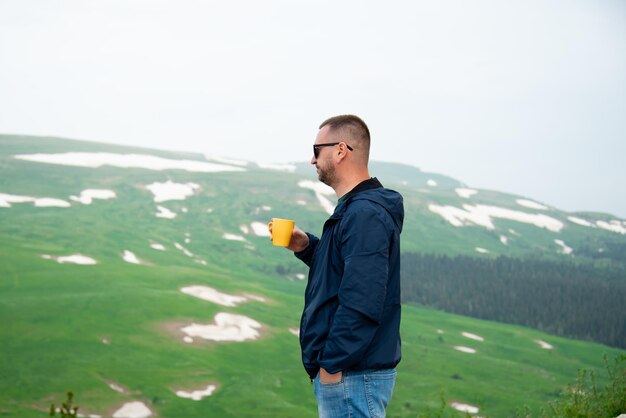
x=365, y=251
x=306, y=255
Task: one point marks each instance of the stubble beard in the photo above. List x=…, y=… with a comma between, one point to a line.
x=326, y=175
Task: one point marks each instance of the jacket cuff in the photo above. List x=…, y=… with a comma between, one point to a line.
x=307, y=254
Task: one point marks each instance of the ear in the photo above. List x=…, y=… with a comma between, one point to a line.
x=342, y=152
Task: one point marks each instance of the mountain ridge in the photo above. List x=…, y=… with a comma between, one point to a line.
x=304, y=168
x=489, y=219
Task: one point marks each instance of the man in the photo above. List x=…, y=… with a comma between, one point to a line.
x=350, y=327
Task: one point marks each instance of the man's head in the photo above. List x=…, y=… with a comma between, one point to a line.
x=341, y=150
x=353, y=131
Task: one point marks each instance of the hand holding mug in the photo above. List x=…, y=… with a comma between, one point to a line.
x=281, y=231
x=284, y=233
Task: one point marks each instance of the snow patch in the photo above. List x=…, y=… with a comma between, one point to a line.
x=87, y=196
x=197, y=395
x=317, y=187
x=463, y=407
x=481, y=250
x=289, y=168
x=7, y=199
x=73, y=259
x=228, y=161
x=149, y=162
x=212, y=295
x=134, y=409
x=613, y=225
x=504, y=239
x=157, y=246
x=431, y=183
x=544, y=345
x=466, y=193
x=79, y=415
x=233, y=237
x=171, y=191
x=531, y=204
x=50, y=202
x=564, y=248
x=130, y=257
x=465, y=349
x=190, y=254
x=260, y=229
x=183, y=249
x=260, y=209
x=482, y=215
x=472, y=336
x=228, y=327
x=580, y=221
x=255, y=297
x=165, y=213
x=321, y=191
x=295, y=331
x=116, y=387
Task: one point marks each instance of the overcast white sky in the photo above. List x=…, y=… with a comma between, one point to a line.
x=526, y=97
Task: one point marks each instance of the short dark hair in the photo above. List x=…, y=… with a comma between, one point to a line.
x=355, y=128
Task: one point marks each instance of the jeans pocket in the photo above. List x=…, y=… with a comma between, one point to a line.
x=329, y=384
x=378, y=391
x=331, y=398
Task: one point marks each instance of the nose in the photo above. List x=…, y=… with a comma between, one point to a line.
x=313, y=160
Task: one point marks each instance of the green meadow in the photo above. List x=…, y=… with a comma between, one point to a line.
x=81, y=328
x=111, y=332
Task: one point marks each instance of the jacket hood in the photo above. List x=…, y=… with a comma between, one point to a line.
x=390, y=200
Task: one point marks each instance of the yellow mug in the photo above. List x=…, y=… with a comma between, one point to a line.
x=281, y=230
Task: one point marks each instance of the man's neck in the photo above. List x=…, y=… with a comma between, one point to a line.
x=351, y=183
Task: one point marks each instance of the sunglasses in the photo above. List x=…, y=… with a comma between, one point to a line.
x=316, y=147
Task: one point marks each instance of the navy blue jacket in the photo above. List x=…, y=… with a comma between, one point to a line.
x=351, y=317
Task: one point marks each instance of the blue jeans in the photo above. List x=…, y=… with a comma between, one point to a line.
x=359, y=394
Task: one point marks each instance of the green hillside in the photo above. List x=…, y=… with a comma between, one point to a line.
x=112, y=331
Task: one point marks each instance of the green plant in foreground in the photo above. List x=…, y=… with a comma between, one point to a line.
x=584, y=399
x=66, y=410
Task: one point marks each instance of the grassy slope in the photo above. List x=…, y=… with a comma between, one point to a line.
x=55, y=316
